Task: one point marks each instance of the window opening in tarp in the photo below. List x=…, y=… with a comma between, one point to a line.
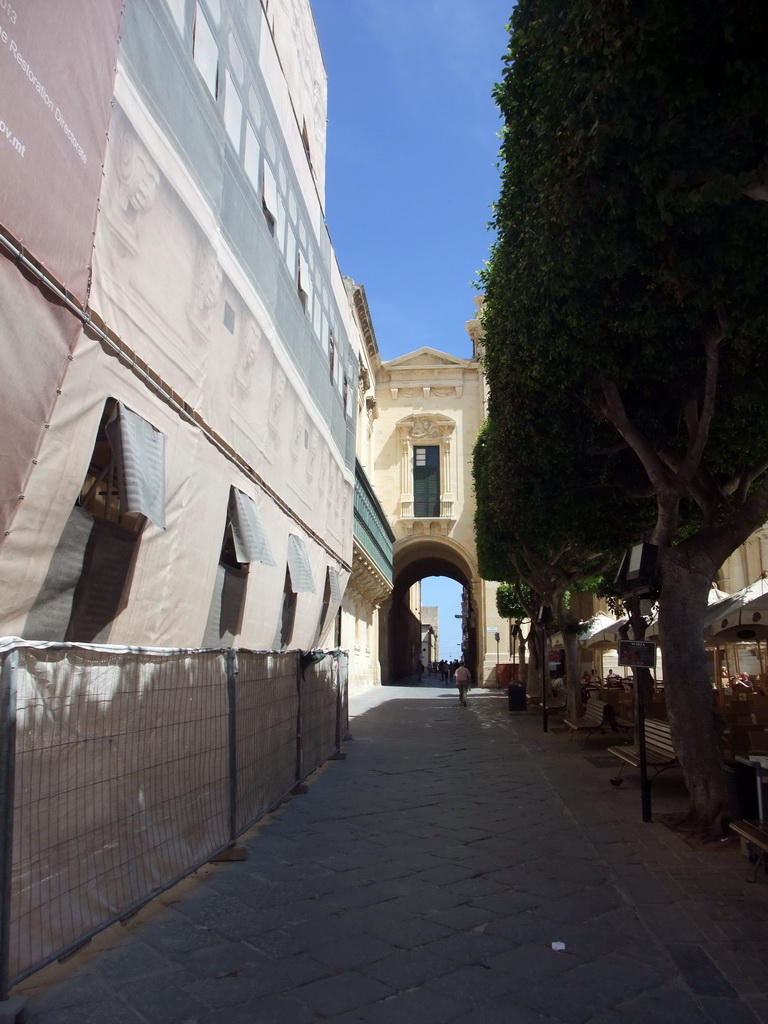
x=226, y=610
x=244, y=542
x=331, y=601
x=248, y=533
x=298, y=563
x=287, y=612
x=140, y=463
x=88, y=576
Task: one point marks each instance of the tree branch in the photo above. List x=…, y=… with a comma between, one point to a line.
x=699, y=422
x=612, y=408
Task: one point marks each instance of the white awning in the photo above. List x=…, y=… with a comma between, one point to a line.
x=251, y=543
x=333, y=583
x=298, y=563
x=140, y=459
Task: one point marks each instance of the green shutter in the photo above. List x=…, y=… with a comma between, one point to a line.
x=426, y=482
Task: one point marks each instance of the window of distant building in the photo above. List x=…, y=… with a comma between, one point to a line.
x=305, y=144
x=303, y=282
x=269, y=197
x=426, y=481
x=426, y=468
x=205, y=51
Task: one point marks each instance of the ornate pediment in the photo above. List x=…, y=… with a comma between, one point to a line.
x=426, y=374
x=426, y=359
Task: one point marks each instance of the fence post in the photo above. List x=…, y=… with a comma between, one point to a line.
x=232, y=670
x=9, y=1008
x=344, y=689
x=339, y=699
x=299, y=721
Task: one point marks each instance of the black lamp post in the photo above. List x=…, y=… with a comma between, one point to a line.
x=544, y=619
x=636, y=580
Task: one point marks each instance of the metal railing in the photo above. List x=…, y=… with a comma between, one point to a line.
x=122, y=770
x=371, y=527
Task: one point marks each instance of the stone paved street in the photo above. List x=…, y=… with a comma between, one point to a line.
x=425, y=878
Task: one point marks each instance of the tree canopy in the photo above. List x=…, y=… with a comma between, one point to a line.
x=626, y=314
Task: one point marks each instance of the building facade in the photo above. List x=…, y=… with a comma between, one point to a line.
x=430, y=408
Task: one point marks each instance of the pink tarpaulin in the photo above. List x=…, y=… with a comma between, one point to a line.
x=57, y=67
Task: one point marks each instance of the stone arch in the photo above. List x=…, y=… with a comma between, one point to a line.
x=415, y=558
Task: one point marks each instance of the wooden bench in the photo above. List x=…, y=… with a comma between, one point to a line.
x=659, y=752
x=756, y=835
x=597, y=717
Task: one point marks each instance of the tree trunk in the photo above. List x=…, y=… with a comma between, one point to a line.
x=572, y=666
x=694, y=723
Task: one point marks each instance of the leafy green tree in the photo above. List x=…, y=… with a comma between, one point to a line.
x=629, y=280
x=544, y=515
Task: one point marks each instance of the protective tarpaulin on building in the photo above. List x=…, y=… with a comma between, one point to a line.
x=57, y=67
x=37, y=334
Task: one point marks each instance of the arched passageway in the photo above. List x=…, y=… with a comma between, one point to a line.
x=400, y=641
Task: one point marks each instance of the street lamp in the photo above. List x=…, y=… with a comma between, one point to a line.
x=545, y=617
x=635, y=581
x=516, y=632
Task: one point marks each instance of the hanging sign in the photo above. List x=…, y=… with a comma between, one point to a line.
x=637, y=653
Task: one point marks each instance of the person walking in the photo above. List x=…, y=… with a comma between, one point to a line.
x=463, y=678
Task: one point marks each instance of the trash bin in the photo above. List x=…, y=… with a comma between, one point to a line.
x=516, y=695
x=741, y=784
x=503, y=676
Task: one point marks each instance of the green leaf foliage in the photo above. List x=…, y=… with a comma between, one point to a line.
x=625, y=235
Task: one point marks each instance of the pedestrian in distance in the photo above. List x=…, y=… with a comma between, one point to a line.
x=463, y=678
x=419, y=669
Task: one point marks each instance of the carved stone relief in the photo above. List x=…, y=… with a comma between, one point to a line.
x=206, y=292
x=250, y=348
x=138, y=182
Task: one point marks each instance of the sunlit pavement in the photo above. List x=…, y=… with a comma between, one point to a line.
x=460, y=865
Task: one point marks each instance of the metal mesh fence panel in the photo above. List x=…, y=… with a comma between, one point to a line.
x=266, y=718
x=319, y=712
x=121, y=787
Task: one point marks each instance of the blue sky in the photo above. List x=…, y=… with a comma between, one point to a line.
x=446, y=594
x=411, y=162
x=411, y=174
